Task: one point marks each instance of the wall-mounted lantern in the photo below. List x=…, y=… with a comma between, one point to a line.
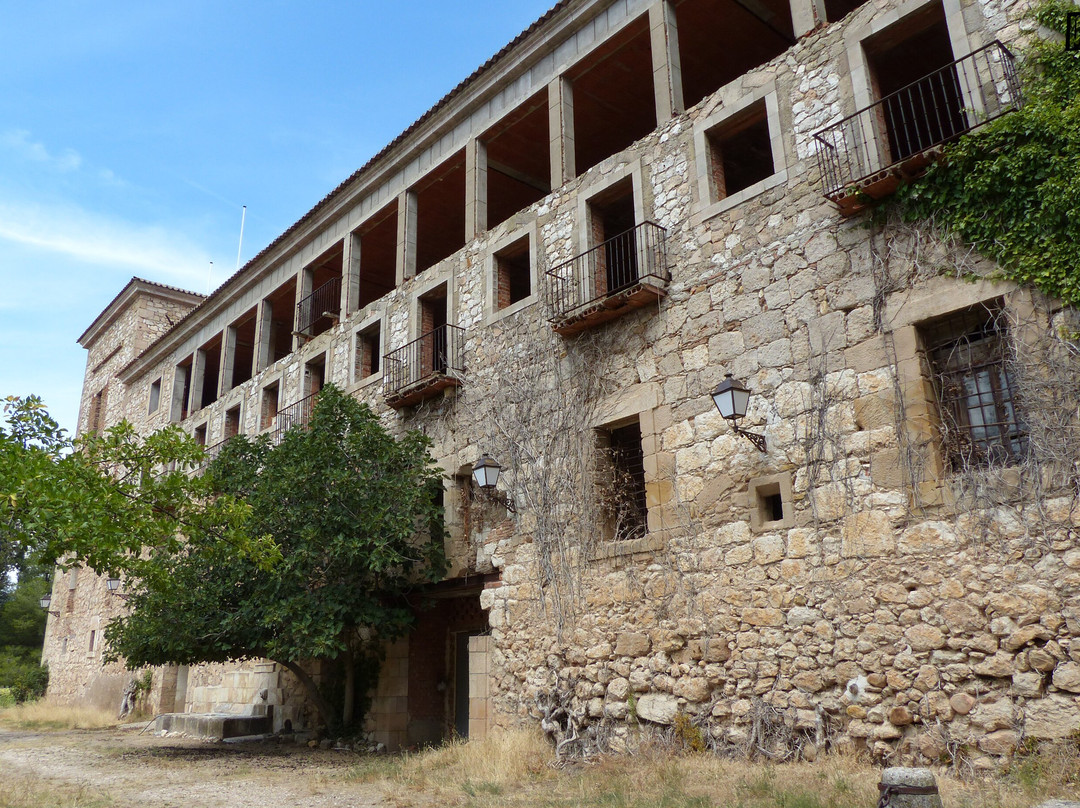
x=112, y=583
x=485, y=472
x=46, y=602
x=731, y=399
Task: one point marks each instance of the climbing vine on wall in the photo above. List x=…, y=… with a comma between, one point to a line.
x=1012, y=188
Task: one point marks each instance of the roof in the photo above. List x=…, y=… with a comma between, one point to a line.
x=134, y=287
x=368, y=166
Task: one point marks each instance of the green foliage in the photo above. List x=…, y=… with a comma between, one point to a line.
x=102, y=500
x=30, y=684
x=349, y=509
x=1011, y=189
x=688, y=733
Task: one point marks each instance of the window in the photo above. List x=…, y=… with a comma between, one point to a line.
x=93, y=637
x=513, y=274
x=740, y=151
x=200, y=435
x=232, y=422
x=976, y=392
x=626, y=503
x=270, y=404
x=368, y=352
x=771, y=503
x=155, y=396
x=97, y=412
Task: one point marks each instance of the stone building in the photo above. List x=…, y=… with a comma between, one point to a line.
x=556, y=265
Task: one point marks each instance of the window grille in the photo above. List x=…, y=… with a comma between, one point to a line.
x=976, y=392
x=628, y=482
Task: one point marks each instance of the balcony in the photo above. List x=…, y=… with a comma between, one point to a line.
x=319, y=310
x=424, y=367
x=867, y=155
x=621, y=274
x=296, y=414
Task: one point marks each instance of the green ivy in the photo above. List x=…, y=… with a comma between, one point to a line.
x=1011, y=189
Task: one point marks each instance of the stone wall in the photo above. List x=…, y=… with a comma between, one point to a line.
x=899, y=603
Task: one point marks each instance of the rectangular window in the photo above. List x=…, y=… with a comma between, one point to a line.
x=97, y=413
x=93, y=638
x=513, y=274
x=368, y=352
x=270, y=406
x=232, y=422
x=200, y=435
x=155, y=396
x=626, y=504
x=740, y=151
x=976, y=391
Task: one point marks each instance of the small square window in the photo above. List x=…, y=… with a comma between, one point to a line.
x=740, y=151
x=975, y=388
x=513, y=274
x=368, y=352
x=770, y=503
x=155, y=396
x=200, y=435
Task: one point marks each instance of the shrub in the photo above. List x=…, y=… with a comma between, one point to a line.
x=30, y=684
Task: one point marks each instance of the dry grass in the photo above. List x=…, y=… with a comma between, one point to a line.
x=514, y=769
x=23, y=789
x=43, y=714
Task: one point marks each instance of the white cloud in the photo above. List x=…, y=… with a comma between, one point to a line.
x=124, y=246
x=19, y=141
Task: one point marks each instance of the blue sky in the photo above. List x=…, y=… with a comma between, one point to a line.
x=132, y=133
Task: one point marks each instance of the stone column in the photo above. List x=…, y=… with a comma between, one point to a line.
x=476, y=168
x=667, y=72
x=304, y=280
x=261, y=355
x=806, y=15
x=228, y=360
x=561, y=131
x=350, y=275
x=198, y=375
x=406, y=236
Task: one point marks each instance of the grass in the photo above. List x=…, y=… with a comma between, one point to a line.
x=6, y=698
x=515, y=769
x=44, y=715
x=24, y=789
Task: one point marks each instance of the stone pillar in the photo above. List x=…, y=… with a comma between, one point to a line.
x=261, y=355
x=228, y=360
x=561, y=131
x=198, y=376
x=806, y=16
x=476, y=220
x=350, y=275
x=667, y=72
x=304, y=280
x=406, y=236
x=920, y=781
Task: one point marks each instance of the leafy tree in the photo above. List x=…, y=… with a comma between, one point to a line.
x=351, y=509
x=1012, y=188
x=105, y=500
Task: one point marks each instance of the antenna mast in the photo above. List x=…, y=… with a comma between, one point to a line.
x=243, y=215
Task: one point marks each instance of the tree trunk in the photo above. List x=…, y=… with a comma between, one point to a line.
x=326, y=712
x=350, y=690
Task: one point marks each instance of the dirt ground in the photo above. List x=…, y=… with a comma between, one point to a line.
x=121, y=767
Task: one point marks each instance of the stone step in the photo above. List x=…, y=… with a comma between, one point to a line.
x=214, y=726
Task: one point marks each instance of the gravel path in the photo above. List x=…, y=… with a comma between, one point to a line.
x=123, y=768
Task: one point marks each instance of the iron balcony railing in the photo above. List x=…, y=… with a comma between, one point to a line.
x=437, y=353
x=636, y=256
x=904, y=125
x=323, y=302
x=296, y=414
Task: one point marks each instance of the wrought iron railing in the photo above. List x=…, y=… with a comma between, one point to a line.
x=324, y=301
x=638, y=255
x=296, y=414
x=439, y=352
x=904, y=125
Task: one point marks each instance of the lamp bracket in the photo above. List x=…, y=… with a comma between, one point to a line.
x=753, y=437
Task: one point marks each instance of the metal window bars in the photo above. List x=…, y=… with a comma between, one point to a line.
x=623, y=262
x=870, y=151
x=323, y=302
x=296, y=414
x=431, y=360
